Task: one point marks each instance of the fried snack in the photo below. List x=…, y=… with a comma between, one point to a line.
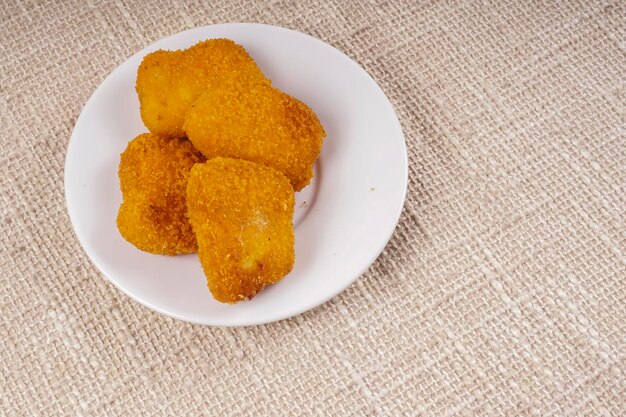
x=259, y=124
x=153, y=175
x=242, y=214
x=169, y=81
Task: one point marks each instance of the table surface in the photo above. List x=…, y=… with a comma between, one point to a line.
x=502, y=291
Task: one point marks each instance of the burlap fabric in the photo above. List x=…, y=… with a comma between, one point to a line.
x=502, y=291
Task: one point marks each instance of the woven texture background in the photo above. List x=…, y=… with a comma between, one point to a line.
x=502, y=292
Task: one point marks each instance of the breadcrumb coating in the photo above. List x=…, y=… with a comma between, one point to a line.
x=242, y=215
x=169, y=81
x=260, y=124
x=153, y=174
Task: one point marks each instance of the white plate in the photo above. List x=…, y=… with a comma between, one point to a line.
x=343, y=219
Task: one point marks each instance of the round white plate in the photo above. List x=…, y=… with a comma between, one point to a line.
x=343, y=220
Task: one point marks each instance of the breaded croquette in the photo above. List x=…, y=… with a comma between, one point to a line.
x=153, y=174
x=259, y=124
x=242, y=214
x=169, y=81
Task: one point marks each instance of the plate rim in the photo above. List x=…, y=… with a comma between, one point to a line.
x=285, y=314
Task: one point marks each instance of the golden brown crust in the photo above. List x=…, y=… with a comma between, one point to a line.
x=168, y=82
x=153, y=174
x=260, y=124
x=242, y=215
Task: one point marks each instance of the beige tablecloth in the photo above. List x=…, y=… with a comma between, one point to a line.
x=502, y=291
